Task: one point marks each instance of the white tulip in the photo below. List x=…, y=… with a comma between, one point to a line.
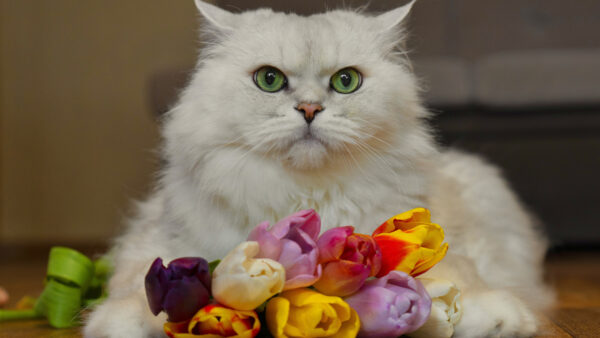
x=446, y=309
x=243, y=282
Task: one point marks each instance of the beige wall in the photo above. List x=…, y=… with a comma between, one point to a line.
x=76, y=129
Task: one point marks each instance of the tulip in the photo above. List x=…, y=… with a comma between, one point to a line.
x=446, y=309
x=214, y=321
x=307, y=313
x=180, y=289
x=391, y=305
x=291, y=242
x=348, y=259
x=243, y=282
x=410, y=243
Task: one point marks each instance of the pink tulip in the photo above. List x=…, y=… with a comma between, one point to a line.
x=292, y=243
x=348, y=259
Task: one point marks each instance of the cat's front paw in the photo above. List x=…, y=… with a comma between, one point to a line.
x=123, y=318
x=495, y=313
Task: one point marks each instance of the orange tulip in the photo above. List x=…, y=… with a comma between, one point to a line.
x=409, y=242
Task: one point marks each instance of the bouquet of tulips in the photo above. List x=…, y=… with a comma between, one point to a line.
x=288, y=280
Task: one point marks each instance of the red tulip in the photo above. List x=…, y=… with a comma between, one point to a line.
x=348, y=259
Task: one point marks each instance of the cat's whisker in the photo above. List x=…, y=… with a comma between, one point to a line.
x=358, y=166
x=366, y=135
x=379, y=157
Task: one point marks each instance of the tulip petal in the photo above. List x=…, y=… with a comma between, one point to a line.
x=435, y=235
x=292, y=242
x=302, y=264
x=306, y=220
x=242, y=282
x=412, y=217
x=396, y=254
x=306, y=313
x=187, y=266
x=314, y=320
x=178, y=330
x=301, y=280
x=332, y=242
x=350, y=327
x=445, y=309
x=277, y=314
x=215, y=321
x=433, y=260
x=391, y=306
x=342, y=278
x=405, y=221
x=270, y=246
x=436, y=326
x=310, y=223
x=413, y=250
x=156, y=282
x=180, y=289
x=290, y=253
x=184, y=298
x=381, y=310
x=299, y=253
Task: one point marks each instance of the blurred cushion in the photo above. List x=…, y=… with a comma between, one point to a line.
x=492, y=26
x=445, y=81
x=538, y=78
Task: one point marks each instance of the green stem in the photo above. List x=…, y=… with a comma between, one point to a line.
x=6, y=315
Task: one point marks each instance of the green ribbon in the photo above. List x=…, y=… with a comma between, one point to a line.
x=73, y=282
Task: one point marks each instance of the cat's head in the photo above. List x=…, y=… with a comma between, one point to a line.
x=304, y=91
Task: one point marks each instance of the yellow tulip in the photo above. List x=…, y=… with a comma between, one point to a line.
x=213, y=321
x=410, y=243
x=307, y=313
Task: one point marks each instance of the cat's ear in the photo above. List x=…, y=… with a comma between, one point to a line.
x=216, y=17
x=395, y=17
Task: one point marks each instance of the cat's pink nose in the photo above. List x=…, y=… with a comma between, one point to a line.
x=309, y=110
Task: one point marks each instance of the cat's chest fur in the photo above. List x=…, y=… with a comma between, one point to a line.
x=217, y=204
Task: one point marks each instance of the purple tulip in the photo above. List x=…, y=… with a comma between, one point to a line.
x=292, y=242
x=180, y=289
x=390, y=306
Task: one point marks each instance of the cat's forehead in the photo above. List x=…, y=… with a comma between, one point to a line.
x=320, y=43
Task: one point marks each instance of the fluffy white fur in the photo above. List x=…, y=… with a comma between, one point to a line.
x=237, y=155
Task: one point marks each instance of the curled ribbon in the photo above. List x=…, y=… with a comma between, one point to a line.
x=73, y=281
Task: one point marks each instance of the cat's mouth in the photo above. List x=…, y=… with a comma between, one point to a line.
x=309, y=137
x=307, y=152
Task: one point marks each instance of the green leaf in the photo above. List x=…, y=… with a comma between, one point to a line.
x=213, y=265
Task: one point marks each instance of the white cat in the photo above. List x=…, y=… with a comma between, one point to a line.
x=286, y=112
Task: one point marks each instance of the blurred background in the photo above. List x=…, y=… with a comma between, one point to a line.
x=83, y=83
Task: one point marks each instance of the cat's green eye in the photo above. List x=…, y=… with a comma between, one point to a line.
x=346, y=81
x=270, y=79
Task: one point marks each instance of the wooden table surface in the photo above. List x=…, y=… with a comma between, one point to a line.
x=575, y=275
